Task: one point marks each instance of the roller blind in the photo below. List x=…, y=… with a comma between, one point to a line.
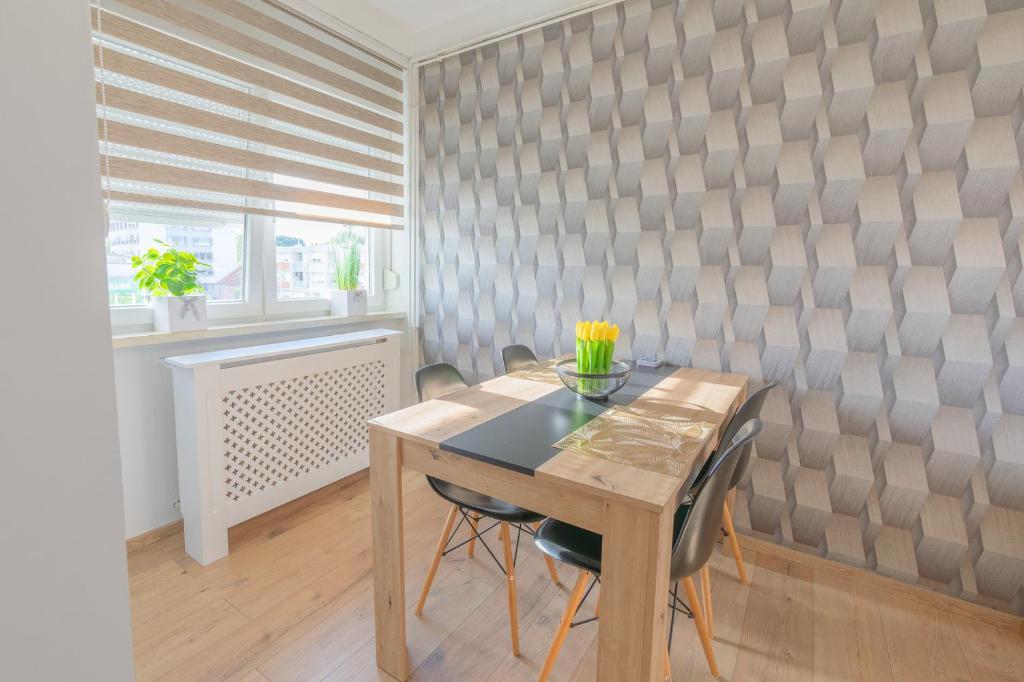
x=242, y=107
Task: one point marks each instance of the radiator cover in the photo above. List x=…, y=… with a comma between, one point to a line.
x=283, y=430
x=263, y=425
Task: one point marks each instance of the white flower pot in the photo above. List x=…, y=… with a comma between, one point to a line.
x=348, y=302
x=179, y=313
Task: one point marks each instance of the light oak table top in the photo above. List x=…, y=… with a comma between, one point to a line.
x=700, y=394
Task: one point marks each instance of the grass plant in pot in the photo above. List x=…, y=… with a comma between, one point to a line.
x=347, y=299
x=170, y=278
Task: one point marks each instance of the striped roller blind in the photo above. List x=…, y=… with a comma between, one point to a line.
x=242, y=107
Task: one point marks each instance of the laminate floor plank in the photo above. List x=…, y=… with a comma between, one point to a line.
x=167, y=577
x=288, y=623
x=142, y=559
x=729, y=597
x=473, y=649
x=327, y=639
x=586, y=671
x=991, y=653
x=237, y=653
x=535, y=641
x=259, y=576
x=294, y=602
x=161, y=646
x=454, y=596
x=295, y=514
x=778, y=627
x=264, y=574
x=922, y=642
x=849, y=641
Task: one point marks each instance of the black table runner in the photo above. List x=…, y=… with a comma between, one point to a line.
x=523, y=439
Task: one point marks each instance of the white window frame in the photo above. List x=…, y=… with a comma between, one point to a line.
x=259, y=270
x=135, y=316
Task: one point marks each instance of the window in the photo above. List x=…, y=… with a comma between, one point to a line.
x=220, y=247
x=262, y=143
x=307, y=254
x=302, y=256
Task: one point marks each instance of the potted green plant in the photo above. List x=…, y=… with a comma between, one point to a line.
x=170, y=278
x=346, y=261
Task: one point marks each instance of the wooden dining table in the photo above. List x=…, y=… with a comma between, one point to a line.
x=498, y=437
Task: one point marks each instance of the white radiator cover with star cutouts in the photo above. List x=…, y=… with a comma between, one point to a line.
x=258, y=427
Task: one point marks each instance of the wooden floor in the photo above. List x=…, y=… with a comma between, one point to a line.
x=293, y=601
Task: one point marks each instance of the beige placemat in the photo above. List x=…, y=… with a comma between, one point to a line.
x=666, y=443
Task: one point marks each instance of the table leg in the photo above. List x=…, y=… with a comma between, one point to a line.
x=388, y=554
x=634, y=593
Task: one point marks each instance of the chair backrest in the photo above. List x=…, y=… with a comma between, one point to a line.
x=517, y=357
x=750, y=409
x=696, y=538
x=438, y=379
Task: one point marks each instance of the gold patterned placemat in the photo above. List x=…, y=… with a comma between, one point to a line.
x=666, y=443
x=543, y=372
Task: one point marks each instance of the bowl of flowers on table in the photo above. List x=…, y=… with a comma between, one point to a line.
x=594, y=373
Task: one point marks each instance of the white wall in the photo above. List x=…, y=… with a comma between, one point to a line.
x=63, y=575
x=146, y=417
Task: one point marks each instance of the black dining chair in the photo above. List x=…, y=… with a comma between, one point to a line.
x=517, y=357
x=695, y=531
x=750, y=409
x=436, y=381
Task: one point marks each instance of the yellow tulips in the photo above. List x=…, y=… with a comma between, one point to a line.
x=595, y=346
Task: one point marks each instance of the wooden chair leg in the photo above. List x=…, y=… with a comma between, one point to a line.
x=668, y=666
x=563, y=628
x=549, y=562
x=474, y=519
x=698, y=620
x=441, y=542
x=737, y=554
x=705, y=588
x=510, y=581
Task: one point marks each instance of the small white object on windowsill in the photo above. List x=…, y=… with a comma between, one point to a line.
x=650, y=360
x=179, y=313
x=348, y=302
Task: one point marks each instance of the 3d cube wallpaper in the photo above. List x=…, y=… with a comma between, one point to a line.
x=828, y=194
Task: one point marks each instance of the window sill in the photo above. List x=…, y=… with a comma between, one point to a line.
x=151, y=338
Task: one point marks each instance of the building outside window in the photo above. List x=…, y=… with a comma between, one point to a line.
x=220, y=248
x=306, y=255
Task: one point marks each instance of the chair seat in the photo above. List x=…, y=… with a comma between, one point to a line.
x=484, y=504
x=580, y=547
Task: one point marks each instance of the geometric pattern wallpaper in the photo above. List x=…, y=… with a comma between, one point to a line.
x=828, y=194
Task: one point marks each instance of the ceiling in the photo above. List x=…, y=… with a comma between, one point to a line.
x=420, y=28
